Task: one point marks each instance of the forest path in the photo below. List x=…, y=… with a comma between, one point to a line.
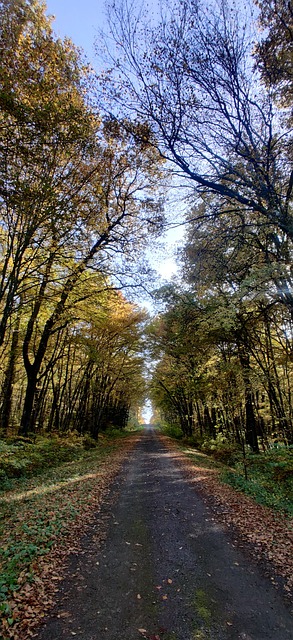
x=167, y=570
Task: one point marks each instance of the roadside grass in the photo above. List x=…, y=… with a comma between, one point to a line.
x=23, y=458
x=270, y=478
x=270, y=474
x=38, y=511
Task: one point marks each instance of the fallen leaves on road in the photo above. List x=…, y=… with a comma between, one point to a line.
x=267, y=535
x=61, y=517
x=153, y=636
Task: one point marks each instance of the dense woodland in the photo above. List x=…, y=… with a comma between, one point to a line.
x=224, y=341
x=199, y=98
x=215, y=89
x=187, y=122
x=78, y=202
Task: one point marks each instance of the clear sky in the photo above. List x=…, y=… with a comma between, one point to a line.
x=78, y=19
x=81, y=20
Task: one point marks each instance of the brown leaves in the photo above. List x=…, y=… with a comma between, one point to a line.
x=153, y=636
x=38, y=582
x=267, y=534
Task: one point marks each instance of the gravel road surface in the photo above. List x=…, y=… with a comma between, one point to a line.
x=166, y=571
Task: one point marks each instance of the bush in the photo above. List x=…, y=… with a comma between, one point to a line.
x=193, y=441
x=173, y=431
x=19, y=440
x=19, y=458
x=270, y=478
x=4, y=480
x=89, y=443
x=115, y=432
x=222, y=450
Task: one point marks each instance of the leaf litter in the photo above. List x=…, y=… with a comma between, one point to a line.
x=58, y=518
x=266, y=535
x=40, y=529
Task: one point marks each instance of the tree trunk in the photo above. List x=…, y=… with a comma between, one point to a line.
x=250, y=419
x=27, y=418
x=8, y=382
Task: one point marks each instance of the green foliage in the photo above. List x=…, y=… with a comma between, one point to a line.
x=270, y=479
x=221, y=347
x=222, y=450
x=19, y=554
x=41, y=510
x=19, y=462
x=19, y=440
x=24, y=460
x=270, y=474
x=74, y=342
x=89, y=443
x=173, y=431
x=116, y=432
x=4, y=480
x=274, y=51
x=193, y=441
x=133, y=423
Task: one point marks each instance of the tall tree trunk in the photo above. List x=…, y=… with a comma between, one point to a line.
x=27, y=418
x=7, y=389
x=250, y=419
x=199, y=419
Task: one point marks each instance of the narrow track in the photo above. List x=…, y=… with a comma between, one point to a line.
x=166, y=571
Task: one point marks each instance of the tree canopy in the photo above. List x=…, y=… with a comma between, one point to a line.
x=79, y=199
x=203, y=93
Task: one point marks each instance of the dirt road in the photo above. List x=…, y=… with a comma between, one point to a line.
x=167, y=570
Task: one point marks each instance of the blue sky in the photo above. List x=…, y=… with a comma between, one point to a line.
x=80, y=20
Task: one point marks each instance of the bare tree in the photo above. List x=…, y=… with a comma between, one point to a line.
x=193, y=84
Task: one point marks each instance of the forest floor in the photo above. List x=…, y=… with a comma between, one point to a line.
x=153, y=546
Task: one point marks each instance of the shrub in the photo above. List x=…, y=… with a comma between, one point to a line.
x=4, y=480
x=115, y=432
x=20, y=458
x=193, y=441
x=89, y=443
x=270, y=478
x=173, y=431
x=222, y=450
x=19, y=440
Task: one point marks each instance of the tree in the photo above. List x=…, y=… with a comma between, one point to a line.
x=231, y=266
x=275, y=50
x=182, y=349
x=98, y=375
x=47, y=134
x=203, y=101
x=223, y=344
x=77, y=193
x=192, y=81
x=113, y=213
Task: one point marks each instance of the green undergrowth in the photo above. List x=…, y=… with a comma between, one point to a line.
x=269, y=474
x=37, y=511
x=24, y=458
x=270, y=478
